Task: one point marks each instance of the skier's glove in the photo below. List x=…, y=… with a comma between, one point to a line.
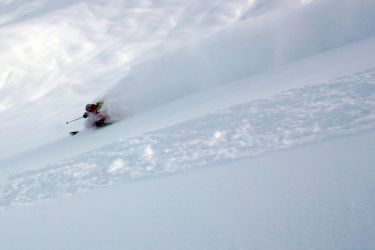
x=85, y=115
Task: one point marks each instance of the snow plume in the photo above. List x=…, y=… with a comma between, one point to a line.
x=267, y=35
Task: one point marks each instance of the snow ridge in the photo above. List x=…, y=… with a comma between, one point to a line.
x=342, y=106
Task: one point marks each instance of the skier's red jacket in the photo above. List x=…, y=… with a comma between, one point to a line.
x=95, y=110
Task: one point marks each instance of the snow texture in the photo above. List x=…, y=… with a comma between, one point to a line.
x=342, y=106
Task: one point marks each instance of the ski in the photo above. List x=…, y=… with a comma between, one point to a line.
x=73, y=132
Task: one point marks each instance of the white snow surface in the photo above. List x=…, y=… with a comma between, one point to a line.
x=240, y=124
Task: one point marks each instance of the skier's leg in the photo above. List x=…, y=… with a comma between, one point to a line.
x=99, y=123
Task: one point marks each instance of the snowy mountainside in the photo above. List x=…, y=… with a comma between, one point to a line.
x=65, y=54
x=343, y=106
x=247, y=124
x=315, y=196
x=315, y=70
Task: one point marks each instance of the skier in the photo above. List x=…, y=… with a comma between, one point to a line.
x=97, y=117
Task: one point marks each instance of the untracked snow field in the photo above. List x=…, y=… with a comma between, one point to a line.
x=240, y=125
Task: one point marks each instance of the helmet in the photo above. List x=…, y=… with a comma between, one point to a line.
x=90, y=107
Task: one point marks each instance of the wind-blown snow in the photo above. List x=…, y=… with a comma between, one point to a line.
x=252, y=45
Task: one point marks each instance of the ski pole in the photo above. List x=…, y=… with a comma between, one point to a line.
x=74, y=120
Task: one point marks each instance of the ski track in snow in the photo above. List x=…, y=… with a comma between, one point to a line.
x=343, y=106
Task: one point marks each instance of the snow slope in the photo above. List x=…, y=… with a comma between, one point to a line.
x=59, y=55
x=318, y=196
x=236, y=136
x=315, y=70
